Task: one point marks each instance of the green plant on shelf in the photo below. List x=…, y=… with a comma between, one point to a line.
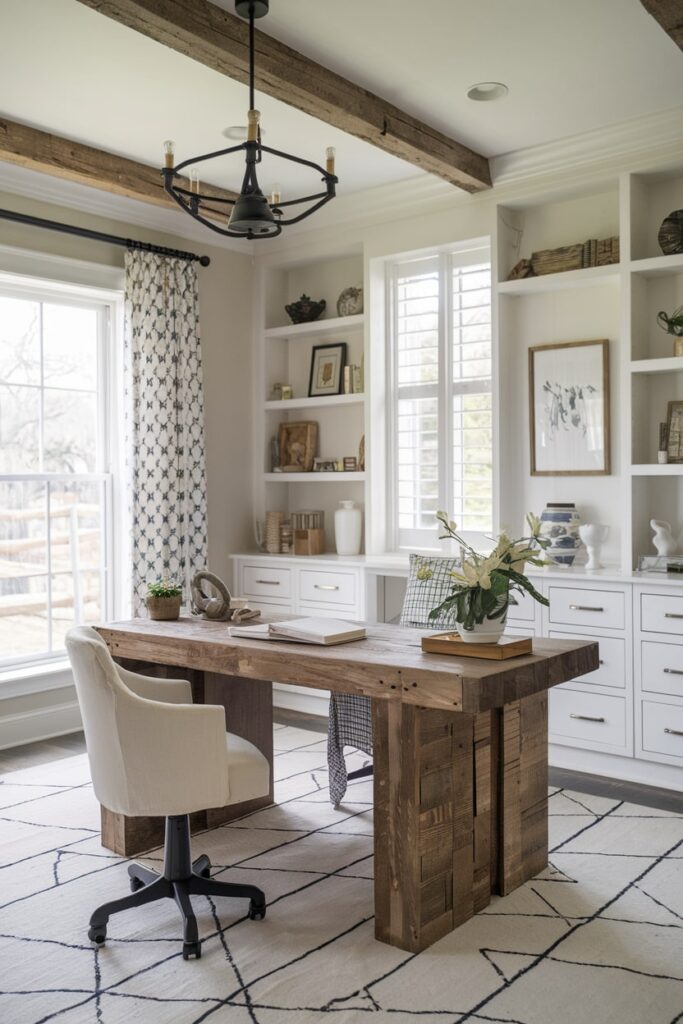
x=671, y=324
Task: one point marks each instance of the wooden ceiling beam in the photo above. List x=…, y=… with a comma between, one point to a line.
x=73, y=161
x=669, y=14
x=219, y=40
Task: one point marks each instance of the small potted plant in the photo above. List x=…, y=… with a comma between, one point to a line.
x=484, y=588
x=163, y=599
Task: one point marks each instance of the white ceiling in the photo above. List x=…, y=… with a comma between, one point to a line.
x=571, y=67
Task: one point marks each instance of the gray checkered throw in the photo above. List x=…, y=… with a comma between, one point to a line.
x=350, y=718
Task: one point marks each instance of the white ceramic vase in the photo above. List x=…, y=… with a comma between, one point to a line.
x=663, y=541
x=488, y=632
x=593, y=536
x=348, y=528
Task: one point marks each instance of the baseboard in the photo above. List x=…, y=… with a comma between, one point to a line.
x=299, y=698
x=39, y=724
x=626, y=769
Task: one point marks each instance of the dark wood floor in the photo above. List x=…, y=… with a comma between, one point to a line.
x=31, y=754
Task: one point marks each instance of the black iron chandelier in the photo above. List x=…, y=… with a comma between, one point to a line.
x=251, y=215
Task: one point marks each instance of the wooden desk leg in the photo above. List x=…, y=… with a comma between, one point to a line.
x=249, y=713
x=248, y=707
x=523, y=791
x=432, y=782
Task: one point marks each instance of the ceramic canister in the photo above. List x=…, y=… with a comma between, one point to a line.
x=347, y=528
x=560, y=524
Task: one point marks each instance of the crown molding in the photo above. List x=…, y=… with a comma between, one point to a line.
x=626, y=140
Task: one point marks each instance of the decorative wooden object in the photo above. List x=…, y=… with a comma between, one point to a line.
x=453, y=644
x=309, y=542
x=592, y=253
x=213, y=37
x=460, y=754
x=297, y=443
x=63, y=158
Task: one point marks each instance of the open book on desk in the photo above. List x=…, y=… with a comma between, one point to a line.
x=307, y=631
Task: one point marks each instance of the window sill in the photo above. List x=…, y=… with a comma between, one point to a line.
x=36, y=678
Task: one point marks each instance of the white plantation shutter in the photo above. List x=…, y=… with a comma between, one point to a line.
x=440, y=368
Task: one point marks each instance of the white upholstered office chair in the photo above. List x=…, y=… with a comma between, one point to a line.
x=153, y=752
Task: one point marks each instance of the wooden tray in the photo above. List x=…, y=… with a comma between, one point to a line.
x=451, y=643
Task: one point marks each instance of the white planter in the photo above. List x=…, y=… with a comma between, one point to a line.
x=488, y=632
x=347, y=528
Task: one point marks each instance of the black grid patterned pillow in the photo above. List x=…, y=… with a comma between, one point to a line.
x=423, y=595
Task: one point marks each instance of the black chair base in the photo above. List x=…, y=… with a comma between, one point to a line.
x=360, y=773
x=181, y=879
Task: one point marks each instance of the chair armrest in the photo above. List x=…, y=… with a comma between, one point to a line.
x=175, y=756
x=170, y=691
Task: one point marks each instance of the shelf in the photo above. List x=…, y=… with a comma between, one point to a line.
x=555, y=282
x=656, y=266
x=654, y=469
x=670, y=364
x=314, y=478
x=317, y=328
x=314, y=403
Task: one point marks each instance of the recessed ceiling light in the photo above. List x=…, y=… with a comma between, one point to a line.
x=237, y=132
x=486, y=91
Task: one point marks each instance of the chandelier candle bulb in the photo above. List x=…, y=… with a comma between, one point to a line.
x=253, y=116
x=330, y=154
x=168, y=153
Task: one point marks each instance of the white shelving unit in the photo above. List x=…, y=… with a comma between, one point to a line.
x=283, y=353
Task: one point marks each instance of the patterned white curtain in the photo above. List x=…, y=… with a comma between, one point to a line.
x=164, y=418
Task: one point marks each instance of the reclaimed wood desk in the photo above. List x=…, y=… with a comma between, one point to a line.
x=460, y=754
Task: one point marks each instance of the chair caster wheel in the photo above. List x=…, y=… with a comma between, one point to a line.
x=257, y=911
x=97, y=936
x=192, y=949
x=135, y=884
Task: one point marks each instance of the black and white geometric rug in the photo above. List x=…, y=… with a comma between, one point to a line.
x=597, y=938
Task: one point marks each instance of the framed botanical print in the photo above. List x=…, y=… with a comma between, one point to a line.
x=569, y=408
x=327, y=369
x=674, y=432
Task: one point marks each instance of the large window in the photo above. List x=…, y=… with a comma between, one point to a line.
x=55, y=486
x=440, y=366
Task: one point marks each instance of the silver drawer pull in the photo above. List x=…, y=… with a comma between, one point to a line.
x=587, y=608
x=674, y=671
x=325, y=586
x=674, y=732
x=672, y=615
x=270, y=583
x=587, y=718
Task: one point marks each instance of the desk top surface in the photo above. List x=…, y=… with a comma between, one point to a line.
x=389, y=664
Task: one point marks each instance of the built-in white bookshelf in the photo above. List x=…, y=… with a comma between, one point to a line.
x=283, y=356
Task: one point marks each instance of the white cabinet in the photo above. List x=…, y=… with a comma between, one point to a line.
x=282, y=585
x=658, y=648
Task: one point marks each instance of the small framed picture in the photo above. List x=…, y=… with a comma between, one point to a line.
x=327, y=369
x=569, y=409
x=350, y=464
x=321, y=465
x=674, y=429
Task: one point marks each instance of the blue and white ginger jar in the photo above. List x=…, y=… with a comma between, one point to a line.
x=560, y=524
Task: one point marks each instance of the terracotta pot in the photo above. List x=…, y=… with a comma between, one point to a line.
x=163, y=607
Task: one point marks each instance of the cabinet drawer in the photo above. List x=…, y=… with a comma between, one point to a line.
x=575, y=606
x=524, y=609
x=661, y=668
x=612, y=670
x=661, y=613
x=595, y=719
x=265, y=581
x=327, y=587
x=663, y=729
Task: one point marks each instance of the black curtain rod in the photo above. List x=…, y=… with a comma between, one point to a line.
x=101, y=236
